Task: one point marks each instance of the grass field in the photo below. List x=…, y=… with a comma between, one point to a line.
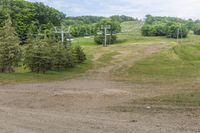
x=180, y=63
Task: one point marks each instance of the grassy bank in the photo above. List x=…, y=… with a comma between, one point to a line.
x=180, y=63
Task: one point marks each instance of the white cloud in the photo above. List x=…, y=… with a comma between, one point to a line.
x=135, y=8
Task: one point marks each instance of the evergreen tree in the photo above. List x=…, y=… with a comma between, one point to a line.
x=38, y=57
x=9, y=47
x=58, y=57
x=70, y=57
x=80, y=55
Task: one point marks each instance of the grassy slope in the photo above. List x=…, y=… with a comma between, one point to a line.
x=178, y=64
x=181, y=64
x=84, y=41
x=131, y=33
x=131, y=26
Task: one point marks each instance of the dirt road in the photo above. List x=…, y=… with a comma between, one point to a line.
x=82, y=105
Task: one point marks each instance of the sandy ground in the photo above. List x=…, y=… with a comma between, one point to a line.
x=81, y=105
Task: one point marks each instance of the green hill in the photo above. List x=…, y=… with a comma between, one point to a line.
x=132, y=26
x=181, y=63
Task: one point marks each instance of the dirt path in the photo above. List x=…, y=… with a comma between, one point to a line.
x=81, y=105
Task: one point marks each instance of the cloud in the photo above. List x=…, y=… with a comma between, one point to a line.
x=135, y=8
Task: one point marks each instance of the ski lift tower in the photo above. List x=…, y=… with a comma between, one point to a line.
x=105, y=28
x=63, y=32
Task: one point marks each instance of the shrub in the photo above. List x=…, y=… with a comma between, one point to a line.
x=147, y=30
x=158, y=29
x=196, y=29
x=177, y=29
x=99, y=39
x=111, y=38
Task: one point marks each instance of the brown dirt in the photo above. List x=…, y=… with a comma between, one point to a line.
x=81, y=105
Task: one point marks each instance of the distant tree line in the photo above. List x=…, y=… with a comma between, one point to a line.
x=87, y=25
x=29, y=17
x=166, y=26
x=169, y=26
x=36, y=18
x=196, y=28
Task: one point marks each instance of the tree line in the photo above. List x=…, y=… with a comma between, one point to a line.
x=87, y=25
x=30, y=17
x=170, y=27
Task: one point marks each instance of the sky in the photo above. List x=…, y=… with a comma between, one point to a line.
x=135, y=8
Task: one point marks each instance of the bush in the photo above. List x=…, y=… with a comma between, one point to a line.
x=111, y=38
x=196, y=29
x=147, y=30
x=173, y=29
x=99, y=39
x=158, y=29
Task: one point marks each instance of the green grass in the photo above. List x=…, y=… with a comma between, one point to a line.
x=131, y=38
x=187, y=101
x=24, y=75
x=184, y=100
x=177, y=102
x=178, y=64
x=107, y=58
x=84, y=41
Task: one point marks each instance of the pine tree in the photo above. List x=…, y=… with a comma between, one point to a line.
x=38, y=57
x=80, y=55
x=9, y=47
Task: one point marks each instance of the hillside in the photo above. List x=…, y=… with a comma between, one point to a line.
x=131, y=26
